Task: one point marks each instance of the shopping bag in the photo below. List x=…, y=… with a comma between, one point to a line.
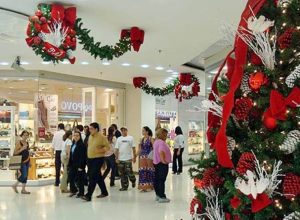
x=15, y=162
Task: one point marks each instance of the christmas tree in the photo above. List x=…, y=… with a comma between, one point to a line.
x=253, y=170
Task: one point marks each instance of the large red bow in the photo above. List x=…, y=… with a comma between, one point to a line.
x=139, y=81
x=136, y=37
x=262, y=201
x=185, y=79
x=60, y=14
x=279, y=104
x=241, y=49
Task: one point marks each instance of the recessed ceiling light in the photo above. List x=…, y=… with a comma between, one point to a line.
x=10, y=87
x=36, y=79
x=21, y=79
x=159, y=68
x=175, y=73
x=42, y=88
x=166, y=82
x=208, y=88
x=24, y=63
x=46, y=62
x=144, y=65
x=5, y=79
x=4, y=63
x=125, y=64
x=108, y=90
x=65, y=62
x=170, y=71
x=210, y=76
x=106, y=63
x=84, y=63
x=70, y=88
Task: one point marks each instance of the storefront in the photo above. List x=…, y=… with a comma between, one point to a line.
x=171, y=113
x=37, y=104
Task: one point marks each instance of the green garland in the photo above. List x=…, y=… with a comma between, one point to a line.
x=103, y=52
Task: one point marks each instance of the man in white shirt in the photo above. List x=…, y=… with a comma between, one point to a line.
x=178, y=151
x=57, y=144
x=125, y=155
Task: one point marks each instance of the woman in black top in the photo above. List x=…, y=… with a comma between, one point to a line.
x=77, y=164
x=22, y=149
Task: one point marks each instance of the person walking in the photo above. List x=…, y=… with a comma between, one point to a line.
x=57, y=144
x=65, y=156
x=161, y=160
x=178, y=150
x=117, y=134
x=97, y=147
x=77, y=164
x=146, y=169
x=80, y=128
x=125, y=155
x=22, y=149
x=110, y=158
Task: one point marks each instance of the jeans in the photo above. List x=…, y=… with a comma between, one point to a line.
x=161, y=173
x=57, y=167
x=110, y=165
x=24, y=173
x=95, y=176
x=125, y=170
x=76, y=176
x=179, y=159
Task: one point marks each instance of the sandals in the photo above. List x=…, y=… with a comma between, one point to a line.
x=15, y=189
x=25, y=192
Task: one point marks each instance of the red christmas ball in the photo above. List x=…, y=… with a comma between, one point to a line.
x=38, y=13
x=256, y=80
x=255, y=60
x=269, y=122
x=37, y=41
x=43, y=20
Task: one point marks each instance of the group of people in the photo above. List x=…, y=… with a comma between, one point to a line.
x=87, y=147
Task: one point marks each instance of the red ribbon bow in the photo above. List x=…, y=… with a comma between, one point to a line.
x=185, y=79
x=279, y=104
x=262, y=201
x=136, y=36
x=60, y=14
x=139, y=81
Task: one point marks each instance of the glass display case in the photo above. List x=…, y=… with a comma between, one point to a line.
x=195, y=137
x=7, y=135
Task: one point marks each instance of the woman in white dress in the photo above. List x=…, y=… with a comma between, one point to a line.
x=65, y=156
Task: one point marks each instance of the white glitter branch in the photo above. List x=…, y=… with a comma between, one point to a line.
x=57, y=34
x=210, y=106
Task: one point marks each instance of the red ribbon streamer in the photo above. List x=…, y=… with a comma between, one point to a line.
x=240, y=50
x=54, y=51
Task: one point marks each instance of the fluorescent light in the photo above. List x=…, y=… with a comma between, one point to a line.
x=36, y=79
x=84, y=63
x=144, y=65
x=108, y=90
x=24, y=63
x=159, y=68
x=125, y=64
x=106, y=63
x=4, y=63
x=170, y=71
x=70, y=88
x=46, y=62
x=23, y=92
x=21, y=79
x=65, y=62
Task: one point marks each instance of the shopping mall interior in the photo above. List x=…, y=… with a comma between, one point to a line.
x=217, y=83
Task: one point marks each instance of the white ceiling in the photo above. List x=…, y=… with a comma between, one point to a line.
x=181, y=29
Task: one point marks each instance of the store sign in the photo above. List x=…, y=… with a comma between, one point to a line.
x=165, y=114
x=74, y=107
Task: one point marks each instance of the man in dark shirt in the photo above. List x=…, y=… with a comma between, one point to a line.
x=117, y=135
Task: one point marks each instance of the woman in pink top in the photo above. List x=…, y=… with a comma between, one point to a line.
x=161, y=160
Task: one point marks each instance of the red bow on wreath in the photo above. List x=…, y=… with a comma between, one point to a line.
x=136, y=37
x=279, y=104
x=139, y=81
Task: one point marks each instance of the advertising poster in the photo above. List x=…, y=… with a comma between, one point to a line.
x=47, y=109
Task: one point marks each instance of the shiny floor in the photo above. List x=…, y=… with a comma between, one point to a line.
x=48, y=203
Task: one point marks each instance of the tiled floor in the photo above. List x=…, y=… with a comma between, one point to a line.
x=47, y=203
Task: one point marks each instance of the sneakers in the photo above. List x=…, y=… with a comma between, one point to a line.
x=157, y=198
x=123, y=189
x=25, y=192
x=164, y=200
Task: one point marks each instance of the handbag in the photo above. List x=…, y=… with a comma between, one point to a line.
x=15, y=162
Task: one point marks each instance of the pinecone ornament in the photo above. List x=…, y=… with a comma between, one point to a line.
x=290, y=143
x=285, y=40
x=230, y=145
x=211, y=178
x=246, y=162
x=291, y=186
x=290, y=80
x=293, y=216
x=245, y=84
x=242, y=108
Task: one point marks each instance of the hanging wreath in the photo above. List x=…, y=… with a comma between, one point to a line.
x=185, y=86
x=53, y=31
